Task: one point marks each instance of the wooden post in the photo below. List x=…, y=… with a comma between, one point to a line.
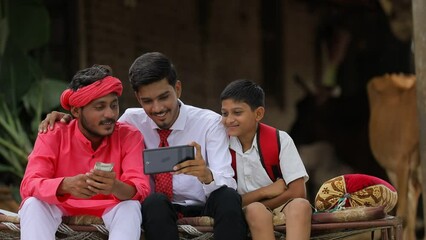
x=82, y=35
x=419, y=34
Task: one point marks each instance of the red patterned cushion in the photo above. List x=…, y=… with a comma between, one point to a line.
x=352, y=190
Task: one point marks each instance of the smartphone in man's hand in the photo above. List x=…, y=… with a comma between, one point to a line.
x=159, y=160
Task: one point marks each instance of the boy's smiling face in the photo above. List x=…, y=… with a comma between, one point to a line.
x=239, y=119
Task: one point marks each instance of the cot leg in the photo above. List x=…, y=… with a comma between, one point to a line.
x=398, y=232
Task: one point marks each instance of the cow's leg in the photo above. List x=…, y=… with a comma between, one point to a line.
x=400, y=180
x=414, y=191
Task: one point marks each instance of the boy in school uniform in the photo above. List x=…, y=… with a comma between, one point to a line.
x=242, y=111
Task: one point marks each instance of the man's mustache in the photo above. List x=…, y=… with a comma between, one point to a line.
x=108, y=120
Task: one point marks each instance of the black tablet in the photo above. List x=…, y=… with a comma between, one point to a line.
x=158, y=160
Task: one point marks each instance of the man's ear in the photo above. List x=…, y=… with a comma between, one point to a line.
x=137, y=98
x=178, y=88
x=75, y=112
x=259, y=113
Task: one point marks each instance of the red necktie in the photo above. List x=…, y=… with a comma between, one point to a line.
x=163, y=181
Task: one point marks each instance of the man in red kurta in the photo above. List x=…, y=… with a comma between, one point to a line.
x=60, y=179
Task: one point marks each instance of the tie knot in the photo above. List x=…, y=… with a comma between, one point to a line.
x=164, y=134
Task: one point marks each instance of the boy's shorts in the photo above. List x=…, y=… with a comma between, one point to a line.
x=278, y=215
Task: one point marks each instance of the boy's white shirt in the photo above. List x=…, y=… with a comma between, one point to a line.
x=251, y=175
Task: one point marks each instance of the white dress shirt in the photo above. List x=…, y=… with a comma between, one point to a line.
x=193, y=124
x=252, y=175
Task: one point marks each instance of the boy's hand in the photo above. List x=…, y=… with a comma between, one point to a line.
x=50, y=120
x=274, y=189
x=76, y=186
x=101, y=182
x=196, y=167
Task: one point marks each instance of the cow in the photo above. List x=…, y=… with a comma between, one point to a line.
x=331, y=133
x=394, y=140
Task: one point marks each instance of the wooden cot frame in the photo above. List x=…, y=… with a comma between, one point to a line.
x=390, y=228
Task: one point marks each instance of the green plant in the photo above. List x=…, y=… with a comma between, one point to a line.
x=15, y=143
x=26, y=93
x=17, y=135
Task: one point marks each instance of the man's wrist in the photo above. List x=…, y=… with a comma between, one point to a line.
x=209, y=179
x=61, y=188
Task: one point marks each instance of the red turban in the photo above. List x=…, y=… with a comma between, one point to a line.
x=86, y=94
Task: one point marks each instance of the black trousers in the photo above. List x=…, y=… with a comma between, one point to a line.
x=223, y=205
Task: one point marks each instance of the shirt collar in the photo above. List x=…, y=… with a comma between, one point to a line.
x=235, y=144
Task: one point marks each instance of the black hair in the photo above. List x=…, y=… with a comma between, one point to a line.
x=151, y=67
x=246, y=91
x=89, y=75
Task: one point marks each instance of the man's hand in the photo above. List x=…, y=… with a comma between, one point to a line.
x=105, y=182
x=50, y=120
x=76, y=186
x=101, y=182
x=196, y=167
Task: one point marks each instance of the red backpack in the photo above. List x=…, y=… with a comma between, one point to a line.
x=268, y=142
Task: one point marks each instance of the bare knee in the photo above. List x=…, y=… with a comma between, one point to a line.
x=257, y=215
x=298, y=215
x=298, y=209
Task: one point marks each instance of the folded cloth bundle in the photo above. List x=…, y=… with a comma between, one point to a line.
x=355, y=190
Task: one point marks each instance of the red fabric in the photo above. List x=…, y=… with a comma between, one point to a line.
x=164, y=181
x=86, y=94
x=355, y=190
x=268, y=142
x=356, y=182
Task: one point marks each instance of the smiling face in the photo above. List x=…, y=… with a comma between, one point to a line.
x=240, y=120
x=97, y=119
x=160, y=102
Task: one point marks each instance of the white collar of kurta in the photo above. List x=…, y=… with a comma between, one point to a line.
x=180, y=121
x=235, y=144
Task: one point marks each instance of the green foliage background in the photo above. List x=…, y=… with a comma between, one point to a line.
x=26, y=94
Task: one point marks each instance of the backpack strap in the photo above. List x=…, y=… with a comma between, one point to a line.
x=268, y=142
x=234, y=163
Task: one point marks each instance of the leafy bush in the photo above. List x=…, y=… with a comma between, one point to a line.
x=25, y=93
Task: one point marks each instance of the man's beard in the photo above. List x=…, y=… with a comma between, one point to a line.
x=94, y=133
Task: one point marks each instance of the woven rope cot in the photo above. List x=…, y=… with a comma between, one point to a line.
x=201, y=228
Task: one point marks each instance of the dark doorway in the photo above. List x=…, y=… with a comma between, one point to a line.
x=272, y=47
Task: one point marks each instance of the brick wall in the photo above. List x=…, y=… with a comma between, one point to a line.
x=210, y=42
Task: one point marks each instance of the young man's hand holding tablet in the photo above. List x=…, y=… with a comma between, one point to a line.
x=158, y=160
